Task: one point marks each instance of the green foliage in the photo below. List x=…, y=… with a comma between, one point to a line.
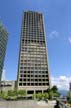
x=45, y=95
x=53, y=92
x=39, y=96
x=69, y=101
x=16, y=93
x=12, y=93
x=56, y=94
x=50, y=94
x=68, y=94
x=54, y=89
x=48, y=90
x=3, y=94
x=21, y=92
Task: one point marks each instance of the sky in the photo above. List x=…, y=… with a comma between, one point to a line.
x=57, y=19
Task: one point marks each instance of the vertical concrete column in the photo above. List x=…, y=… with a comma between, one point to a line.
x=34, y=95
x=26, y=94
x=42, y=91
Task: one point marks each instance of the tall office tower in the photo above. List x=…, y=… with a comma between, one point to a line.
x=3, y=44
x=33, y=75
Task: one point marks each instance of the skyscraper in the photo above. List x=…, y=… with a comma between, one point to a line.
x=33, y=74
x=3, y=44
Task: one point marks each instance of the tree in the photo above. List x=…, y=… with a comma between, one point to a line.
x=50, y=93
x=45, y=95
x=2, y=94
x=12, y=93
x=53, y=92
x=38, y=96
x=54, y=89
x=21, y=93
x=68, y=94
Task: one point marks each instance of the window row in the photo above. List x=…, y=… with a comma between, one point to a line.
x=33, y=79
x=39, y=41
x=33, y=64
x=33, y=75
x=33, y=84
x=26, y=62
x=41, y=68
x=33, y=71
x=33, y=58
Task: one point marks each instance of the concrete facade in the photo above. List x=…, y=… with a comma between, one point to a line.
x=33, y=72
x=7, y=85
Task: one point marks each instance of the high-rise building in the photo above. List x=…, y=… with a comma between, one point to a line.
x=3, y=44
x=33, y=73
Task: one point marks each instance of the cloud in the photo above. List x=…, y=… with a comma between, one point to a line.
x=53, y=34
x=69, y=40
x=62, y=82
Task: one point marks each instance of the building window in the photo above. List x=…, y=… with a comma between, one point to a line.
x=20, y=79
x=20, y=84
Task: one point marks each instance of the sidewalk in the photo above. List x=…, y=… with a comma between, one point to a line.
x=26, y=104
x=43, y=104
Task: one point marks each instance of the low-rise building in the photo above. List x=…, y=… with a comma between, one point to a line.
x=7, y=85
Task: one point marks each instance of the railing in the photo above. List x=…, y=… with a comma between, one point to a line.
x=62, y=105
